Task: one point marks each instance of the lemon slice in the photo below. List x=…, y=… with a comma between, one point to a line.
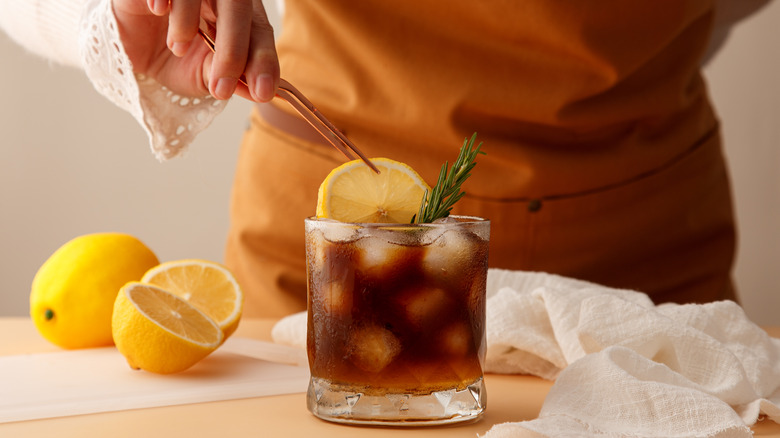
x=159, y=332
x=354, y=193
x=206, y=285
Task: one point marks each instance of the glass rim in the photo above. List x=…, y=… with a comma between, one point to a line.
x=462, y=220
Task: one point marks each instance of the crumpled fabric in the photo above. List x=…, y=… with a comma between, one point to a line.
x=623, y=367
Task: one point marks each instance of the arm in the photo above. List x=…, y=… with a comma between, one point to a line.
x=178, y=76
x=171, y=120
x=46, y=28
x=161, y=39
x=167, y=94
x=82, y=34
x=727, y=14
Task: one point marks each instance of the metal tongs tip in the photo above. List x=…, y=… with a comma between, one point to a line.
x=287, y=92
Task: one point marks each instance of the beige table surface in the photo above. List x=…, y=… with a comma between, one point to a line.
x=510, y=398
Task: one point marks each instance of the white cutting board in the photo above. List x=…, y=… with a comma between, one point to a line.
x=46, y=385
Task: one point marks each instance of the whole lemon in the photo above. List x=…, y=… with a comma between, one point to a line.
x=73, y=292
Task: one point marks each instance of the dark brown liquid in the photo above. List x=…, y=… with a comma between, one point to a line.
x=398, y=326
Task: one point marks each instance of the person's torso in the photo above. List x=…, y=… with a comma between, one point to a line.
x=567, y=96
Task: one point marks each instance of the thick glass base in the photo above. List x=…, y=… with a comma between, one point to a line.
x=442, y=407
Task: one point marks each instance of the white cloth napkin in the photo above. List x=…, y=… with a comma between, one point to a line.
x=622, y=366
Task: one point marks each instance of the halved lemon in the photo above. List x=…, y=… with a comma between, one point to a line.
x=354, y=193
x=206, y=285
x=159, y=332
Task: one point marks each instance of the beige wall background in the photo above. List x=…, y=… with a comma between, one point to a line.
x=72, y=164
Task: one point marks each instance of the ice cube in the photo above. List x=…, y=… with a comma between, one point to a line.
x=404, y=235
x=340, y=232
x=449, y=254
x=423, y=306
x=446, y=220
x=316, y=247
x=456, y=339
x=335, y=297
x=373, y=347
x=375, y=255
x=477, y=293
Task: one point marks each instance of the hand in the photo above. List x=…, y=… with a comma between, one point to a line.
x=161, y=38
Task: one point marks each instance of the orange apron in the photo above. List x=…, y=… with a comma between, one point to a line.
x=603, y=154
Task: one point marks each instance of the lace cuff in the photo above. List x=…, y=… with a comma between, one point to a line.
x=171, y=121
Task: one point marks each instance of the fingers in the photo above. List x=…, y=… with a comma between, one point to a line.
x=158, y=7
x=262, y=69
x=234, y=25
x=183, y=21
x=182, y=24
x=244, y=44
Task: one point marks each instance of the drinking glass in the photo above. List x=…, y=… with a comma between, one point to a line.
x=396, y=321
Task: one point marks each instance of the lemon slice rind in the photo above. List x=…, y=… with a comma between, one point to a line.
x=353, y=193
x=207, y=285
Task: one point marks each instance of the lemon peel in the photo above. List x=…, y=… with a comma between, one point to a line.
x=354, y=193
x=73, y=292
x=159, y=332
x=207, y=285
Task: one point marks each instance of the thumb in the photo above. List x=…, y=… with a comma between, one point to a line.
x=205, y=72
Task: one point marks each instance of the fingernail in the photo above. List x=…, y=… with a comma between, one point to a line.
x=264, y=87
x=179, y=49
x=156, y=6
x=225, y=88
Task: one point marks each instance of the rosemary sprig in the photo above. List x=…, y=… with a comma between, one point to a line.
x=438, y=203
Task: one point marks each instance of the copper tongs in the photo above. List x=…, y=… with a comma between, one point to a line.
x=308, y=111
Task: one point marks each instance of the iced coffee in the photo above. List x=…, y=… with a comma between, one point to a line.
x=396, y=321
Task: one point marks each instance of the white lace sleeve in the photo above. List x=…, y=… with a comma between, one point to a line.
x=47, y=28
x=171, y=121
